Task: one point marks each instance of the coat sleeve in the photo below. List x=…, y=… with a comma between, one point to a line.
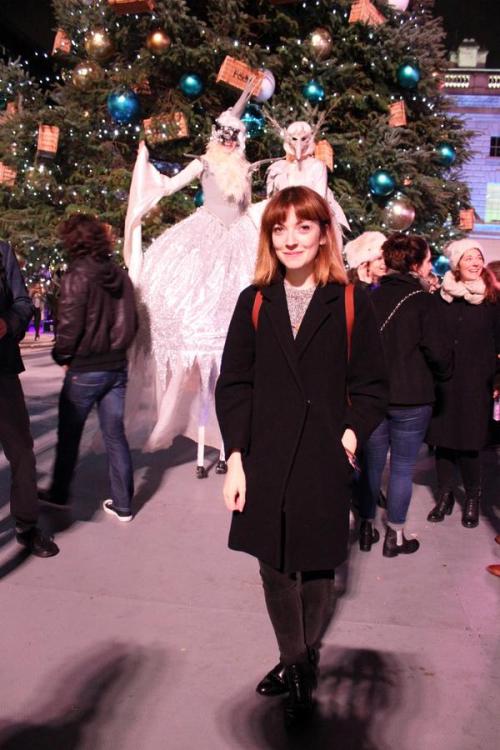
x=435, y=340
x=20, y=311
x=367, y=379
x=71, y=316
x=234, y=389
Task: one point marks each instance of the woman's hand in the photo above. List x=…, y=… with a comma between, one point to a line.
x=349, y=441
x=235, y=484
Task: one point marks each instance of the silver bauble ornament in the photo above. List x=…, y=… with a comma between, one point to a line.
x=85, y=75
x=321, y=43
x=399, y=213
x=98, y=45
x=267, y=86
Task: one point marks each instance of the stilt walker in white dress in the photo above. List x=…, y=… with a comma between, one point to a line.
x=188, y=282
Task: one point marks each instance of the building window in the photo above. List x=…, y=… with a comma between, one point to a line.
x=495, y=146
x=493, y=202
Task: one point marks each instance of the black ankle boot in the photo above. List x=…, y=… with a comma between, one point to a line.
x=470, y=514
x=443, y=507
x=299, y=679
x=392, y=549
x=367, y=536
x=274, y=682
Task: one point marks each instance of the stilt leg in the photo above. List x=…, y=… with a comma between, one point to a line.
x=221, y=467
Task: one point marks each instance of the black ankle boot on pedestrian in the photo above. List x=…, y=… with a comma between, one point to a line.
x=274, y=682
x=470, y=513
x=367, y=536
x=299, y=679
x=443, y=507
x=392, y=548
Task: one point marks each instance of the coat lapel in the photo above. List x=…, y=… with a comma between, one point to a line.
x=276, y=310
x=318, y=311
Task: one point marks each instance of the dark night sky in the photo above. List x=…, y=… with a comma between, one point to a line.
x=28, y=24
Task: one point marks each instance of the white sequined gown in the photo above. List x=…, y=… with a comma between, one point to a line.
x=188, y=286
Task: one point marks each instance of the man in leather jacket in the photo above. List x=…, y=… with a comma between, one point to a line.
x=96, y=323
x=15, y=436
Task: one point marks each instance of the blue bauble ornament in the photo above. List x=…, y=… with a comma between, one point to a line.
x=253, y=120
x=446, y=154
x=408, y=75
x=314, y=92
x=441, y=265
x=381, y=183
x=168, y=168
x=199, y=198
x=3, y=101
x=191, y=85
x=124, y=106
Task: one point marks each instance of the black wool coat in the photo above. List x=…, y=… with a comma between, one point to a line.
x=464, y=402
x=282, y=402
x=417, y=349
x=16, y=309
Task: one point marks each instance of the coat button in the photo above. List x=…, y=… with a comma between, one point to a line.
x=308, y=402
x=455, y=341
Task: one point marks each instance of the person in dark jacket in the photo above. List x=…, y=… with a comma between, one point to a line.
x=97, y=322
x=460, y=424
x=288, y=430
x=15, y=436
x=417, y=354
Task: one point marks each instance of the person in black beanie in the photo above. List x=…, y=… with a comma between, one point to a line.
x=15, y=436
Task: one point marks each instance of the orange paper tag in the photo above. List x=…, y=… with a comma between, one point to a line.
x=62, y=42
x=48, y=138
x=7, y=175
x=397, y=115
x=466, y=219
x=132, y=6
x=324, y=151
x=365, y=12
x=236, y=73
x=166, y=127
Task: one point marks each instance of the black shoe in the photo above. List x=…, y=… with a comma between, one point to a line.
x=274, y=682
x=470, y=513
x=38, y=544
x=201, y=472
x=47, y=498
x=367, y=536
x=392, y=549
x=443, y=507
x=299, y=679
x=221, y=467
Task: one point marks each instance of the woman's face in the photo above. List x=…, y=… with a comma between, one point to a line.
x=377, y=268
x=471, y=265
x=425, y=268
x=296, y=242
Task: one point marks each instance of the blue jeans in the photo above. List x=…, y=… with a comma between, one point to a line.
x=81, y=390
x=403, y=431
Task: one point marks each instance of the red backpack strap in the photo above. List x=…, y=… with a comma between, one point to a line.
x=349, y=315
x=257, y=304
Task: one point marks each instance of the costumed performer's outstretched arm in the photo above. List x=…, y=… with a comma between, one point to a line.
x=148, y=186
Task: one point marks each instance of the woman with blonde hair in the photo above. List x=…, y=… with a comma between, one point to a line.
x=302, y=384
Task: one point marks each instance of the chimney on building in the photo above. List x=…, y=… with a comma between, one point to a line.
x=469, y=55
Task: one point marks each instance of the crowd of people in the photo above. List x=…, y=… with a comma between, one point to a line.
x=320, y=381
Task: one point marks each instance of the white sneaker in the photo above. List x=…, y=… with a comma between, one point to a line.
x=121, y=515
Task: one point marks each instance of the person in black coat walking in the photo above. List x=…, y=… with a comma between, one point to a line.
x=460, y=423
x=96, y=323
x=16, y=311
x=416, y=353
x=289, y=429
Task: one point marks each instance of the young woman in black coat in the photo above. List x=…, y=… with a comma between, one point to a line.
x=290, y=429
x=417, y=354
x=459, y=426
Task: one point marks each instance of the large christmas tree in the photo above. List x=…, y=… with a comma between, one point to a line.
x=374, y=69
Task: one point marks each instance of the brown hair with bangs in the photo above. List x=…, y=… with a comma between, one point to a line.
x=309, y=206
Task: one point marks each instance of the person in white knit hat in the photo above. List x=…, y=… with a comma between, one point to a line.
x=365, y=259
x=459, y=426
